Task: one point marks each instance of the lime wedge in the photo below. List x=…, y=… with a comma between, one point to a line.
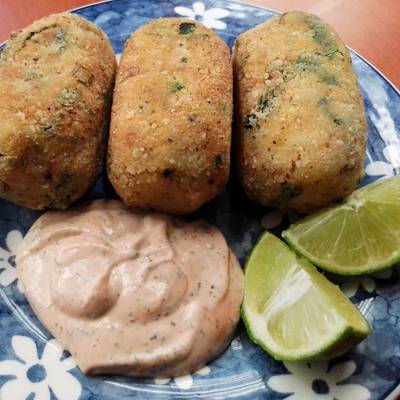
x=292, y=311
x=362, y=235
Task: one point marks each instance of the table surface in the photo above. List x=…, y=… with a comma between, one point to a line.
x=370, y=27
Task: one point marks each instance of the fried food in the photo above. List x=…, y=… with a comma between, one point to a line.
x=170, y=134
x=56, y=78
x=300, y=124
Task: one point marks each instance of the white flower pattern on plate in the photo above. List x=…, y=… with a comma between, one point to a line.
x=210, y=18
x=387, y=168
x=313, y=381
x=7, y=258
x=351, y=285
x=184, y=382
x=274, y=218
x=38, y=375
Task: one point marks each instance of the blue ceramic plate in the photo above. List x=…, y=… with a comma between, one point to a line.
x=34, y=366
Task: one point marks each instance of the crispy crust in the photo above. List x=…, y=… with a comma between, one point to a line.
x=56, y=77
x=170, y=134
x=301, y=128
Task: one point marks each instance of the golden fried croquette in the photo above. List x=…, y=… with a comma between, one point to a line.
x=170, y=134
x=301, y=126
x=56, y=79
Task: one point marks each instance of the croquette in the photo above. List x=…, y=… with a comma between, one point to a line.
x=170, y=133
x=300, y=125
x=56, y=80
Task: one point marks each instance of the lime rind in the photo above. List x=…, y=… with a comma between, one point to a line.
x=272, y=258
x=372, y=212
x=334, y=346
x=347, y=271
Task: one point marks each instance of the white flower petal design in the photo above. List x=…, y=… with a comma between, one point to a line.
x=213, y=23
x=68, y=363
x=52, y=352
x=318, y=367
x=199, y=8
x=184, y=382
x=185, y=12
x=236, y=344
x=20, y=285
x=293, y=397
x=12, y=368
x=379, y=168
x=284, y=383
x=299, y=369
x=203, y=371
x=14, y=390
x=8, y=273
x=106, y=16
x=42, y=392
x=4, y=254
x=25, y=348
x=38, y=375
x=351, y=392
x=342, y=371
x=217, y=13
x=351, y=285
x=64, y=385
x=392, y=154
x=272, y=219
x=161, y=381
x=13, y=240
x=313, y=381
x=8, y=276
x=368, y=284
x=210, y=18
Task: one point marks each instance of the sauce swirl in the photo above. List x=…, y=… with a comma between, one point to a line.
x=143, y=295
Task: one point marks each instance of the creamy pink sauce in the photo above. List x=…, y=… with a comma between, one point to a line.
x=143, y=295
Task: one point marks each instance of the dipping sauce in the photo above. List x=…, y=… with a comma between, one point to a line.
x=129, y=293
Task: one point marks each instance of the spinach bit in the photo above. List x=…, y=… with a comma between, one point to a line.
x=329, y=79
x=265, y=105
x=175, y=87
x=69, y=97
x=219, y=161
x=266, y=102
x=307, y=60
x=184, y=59
x=250, y=121
x=323, y=102
x=48, y=129
x=332, y=54
x=82, y=75
x=338, y=121
x=321, y=35
x=59, y=36
x=186, y=28
x=33, y=75
x=308, y=63
x=60, y=40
